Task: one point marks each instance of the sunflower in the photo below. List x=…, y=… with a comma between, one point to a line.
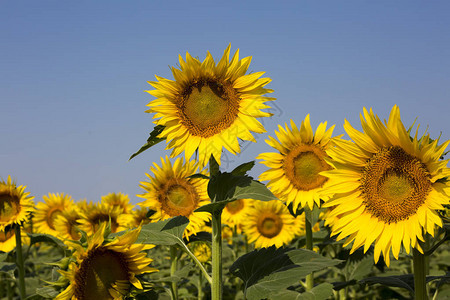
x=135, y=218
x=209, y=106
x=8, y=239
x=201, y=250
x=47, y=211
x=390, y=185
x=67, y=222
x=91, y=219
x=294, y=170
x=270, y=223
x=120, y=200
x=170, y=193
x=236, y=212
x=15, y=204
x=106, y=270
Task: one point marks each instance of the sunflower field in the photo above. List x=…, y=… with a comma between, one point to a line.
x=330, y=218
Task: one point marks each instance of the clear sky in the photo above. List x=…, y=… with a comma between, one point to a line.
x=73, y=75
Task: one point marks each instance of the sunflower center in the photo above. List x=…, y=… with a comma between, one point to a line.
x=52, y=217
x=394, y=184
x=269, y=225
x=4, y=237
x=9, y=207
x=98, y=272
x=178, y=198
x=303, y=165
x=235, y=206
x=207, y=107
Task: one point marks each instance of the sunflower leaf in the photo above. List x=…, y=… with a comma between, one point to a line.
x=198, y=175
x=46, y=238
x=244, y=168
x=402, y=281
x=227, y=186
x=213, y=166
x=151, y=141
x=166, y=232
x=319, y=292
x=47, y=292
x=7, y=268
x=268, y=270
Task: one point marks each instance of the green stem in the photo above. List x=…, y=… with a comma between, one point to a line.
x=199, y=264
x=199, y=286
x=419, y=275
x=20, y=264
x=216, y=286
x=309, y=245
x=173, y=269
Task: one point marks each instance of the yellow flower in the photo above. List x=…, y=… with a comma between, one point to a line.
x=120, y=200
x=91, y=219
x=136, y=218
x=389, y=186
x=236, y=212
x=270, y=223
x=48, y=210
x=170, y=193
x=294, y=174
x=209, y=106
x=67, y=222
x=15, y=204
x=201, y=250
x=106, y=270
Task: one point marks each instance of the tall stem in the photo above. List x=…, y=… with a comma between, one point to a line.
x=216, y=286
x=173, y=269
x=419, y=275
x=19, y=263
x=309, y=245
x=200, y=286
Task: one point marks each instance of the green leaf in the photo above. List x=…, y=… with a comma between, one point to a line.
x=47, y=292
x=224, y=188
x=244, y=168
x=213, y=166
x=198, y=175
x=402, y=281
x=361, y=269
x=227, y=186
x=7, y=268
x=268, y=270
x=167, y=232
x=3, y=256
x=320, y=292
x=46, y=238
x=151, y=141
x=179, y=275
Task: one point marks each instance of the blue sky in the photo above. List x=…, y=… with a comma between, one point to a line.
x=73, y=75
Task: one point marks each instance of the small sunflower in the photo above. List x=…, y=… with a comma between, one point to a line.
x=135, y=218
x=67, y=222
x=106, y=270
x=270, y=223
x=15, y=204
x=201, y=250
x=294, y=170
x=170, y=193
x=236, y=212
x=92, y=219
x=389, y=185
x=209, y=106
x=118, y=199
x=47, y=211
